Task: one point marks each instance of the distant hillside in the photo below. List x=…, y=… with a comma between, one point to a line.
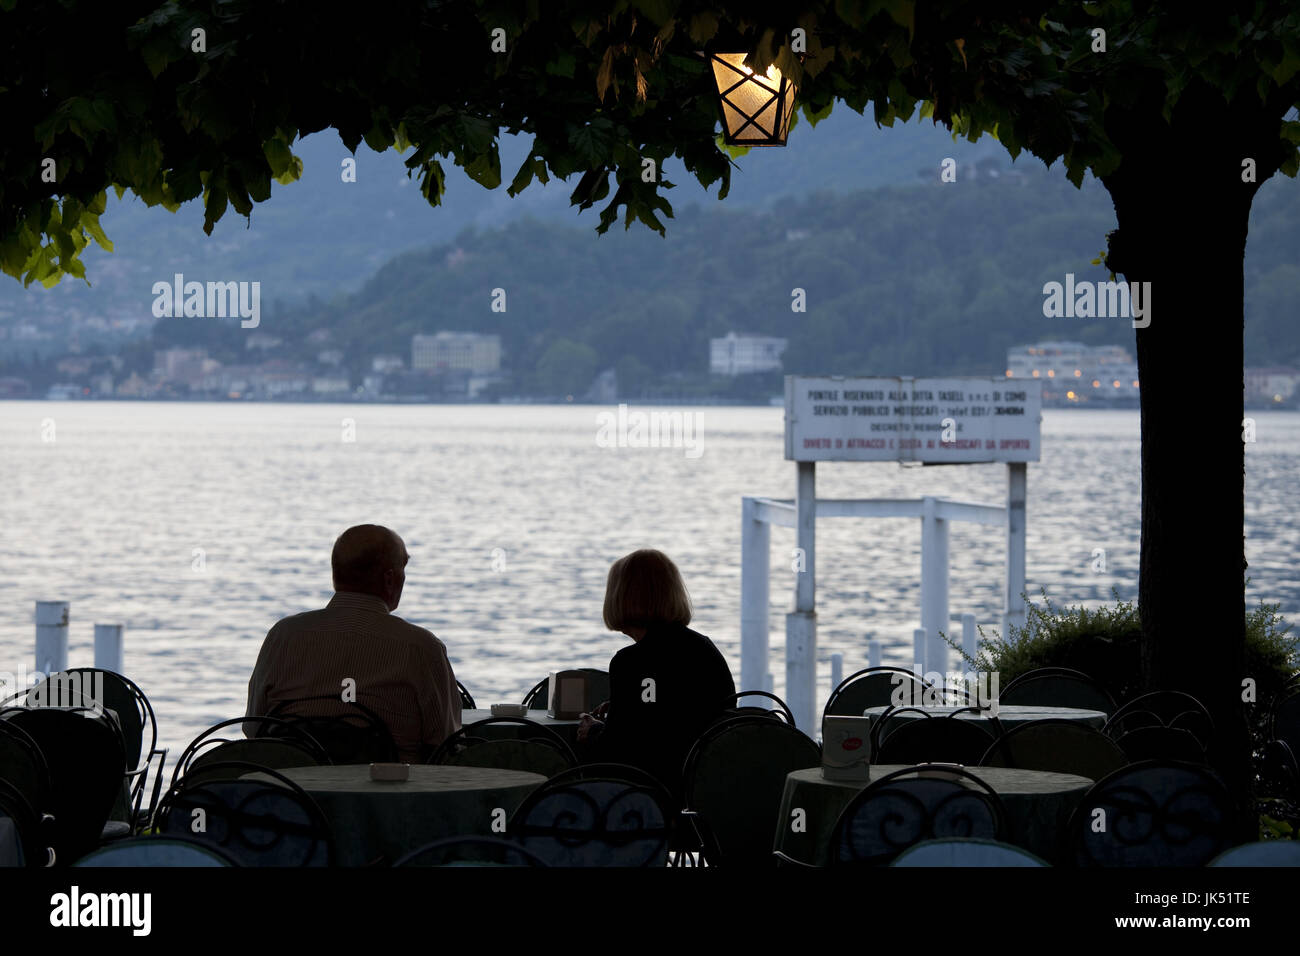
x=319, y=236
x=923, y=279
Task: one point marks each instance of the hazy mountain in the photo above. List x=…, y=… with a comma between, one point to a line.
x=320, y=235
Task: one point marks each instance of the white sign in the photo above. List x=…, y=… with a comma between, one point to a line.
x=934, y=420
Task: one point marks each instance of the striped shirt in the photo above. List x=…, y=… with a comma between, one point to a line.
x=401, y=671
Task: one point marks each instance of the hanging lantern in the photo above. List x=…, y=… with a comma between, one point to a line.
x=755, y=109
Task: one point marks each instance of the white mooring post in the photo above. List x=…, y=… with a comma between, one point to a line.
x=934, y=584
x=837, y=670
x=52, y=636
x=918, y=652
x=755, y=567
x=969, y=642
x=801, y=624
x=108, y=647
x=874, y=653
x=1017, y=491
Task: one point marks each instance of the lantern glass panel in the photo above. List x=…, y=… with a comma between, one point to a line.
x=755, y=109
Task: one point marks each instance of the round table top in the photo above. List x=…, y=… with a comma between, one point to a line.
x=424, y=778
x=1019, y=713
x=540, y=716
x=1003, y=780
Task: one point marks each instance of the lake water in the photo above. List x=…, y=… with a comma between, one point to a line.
x=197, y=526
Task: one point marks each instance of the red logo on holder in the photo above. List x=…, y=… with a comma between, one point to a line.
x=852, y=743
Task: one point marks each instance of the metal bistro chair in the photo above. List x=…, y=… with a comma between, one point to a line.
x=913, y=805
x=135, y=721
x=531, y=747
x=23, y=767
x=734, y=779
x=23, y=834
x=255, y=822
x=581, y=820
x=1282, y=750
x=357, y=736
x=86, y=763
x=154, y=851
x=872, y=687
x=1056, y=746
x=1057, y=687
x=966, y=852
x=210, y=752
x=946, y=739
x=1267, y=853
x=466, y=698
x=1162, y=708
x=1156, y=814
x=731, y=707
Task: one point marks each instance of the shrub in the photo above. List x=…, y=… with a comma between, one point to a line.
x=1105, y=643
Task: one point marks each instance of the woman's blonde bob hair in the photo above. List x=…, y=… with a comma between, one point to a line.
x=645, y=588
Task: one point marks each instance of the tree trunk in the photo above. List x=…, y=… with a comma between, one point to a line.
x=1182, y=210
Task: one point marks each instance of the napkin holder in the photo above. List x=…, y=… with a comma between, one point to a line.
x=846, y=748
x=509, y=710
x=568, y=695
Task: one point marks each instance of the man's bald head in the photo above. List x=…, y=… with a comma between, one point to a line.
x=370, y=559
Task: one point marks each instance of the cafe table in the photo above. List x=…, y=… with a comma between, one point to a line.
x=376, y=822
x=567, y=729
x=1038, y=806
x=1008, y=715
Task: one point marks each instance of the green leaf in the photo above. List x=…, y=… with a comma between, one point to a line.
x=485, y=169
x=704, y=26
x=592, y=143
x=278, y=155
x=292, y=174
x=90, y=222
x=213, y=208
x=562, y=65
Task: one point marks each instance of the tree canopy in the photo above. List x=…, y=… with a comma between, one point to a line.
x=183, y=100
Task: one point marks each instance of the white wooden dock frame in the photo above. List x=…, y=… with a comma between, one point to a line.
x=801, y=513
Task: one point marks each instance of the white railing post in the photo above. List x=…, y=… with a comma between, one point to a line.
x=934, y=583
x=52, y=636
x=837, y=670
x=874, y=653
x=108, y=647
x=1013, y=610
x=801, y=624
x=755, y=568
x=918, y=652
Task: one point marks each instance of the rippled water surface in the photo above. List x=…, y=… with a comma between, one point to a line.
x=116, y=512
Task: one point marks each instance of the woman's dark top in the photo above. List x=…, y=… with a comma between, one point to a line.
x=654, y=726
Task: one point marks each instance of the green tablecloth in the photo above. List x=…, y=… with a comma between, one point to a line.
x=1009, y=715
x=567, y=729
x=379, y=822
x=1038, y=805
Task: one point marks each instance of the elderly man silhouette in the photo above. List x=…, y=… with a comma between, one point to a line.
x=399, y=670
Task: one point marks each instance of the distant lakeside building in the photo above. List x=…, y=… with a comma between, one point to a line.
x=744, y=354
x=1272, y=386
x=447, y=351
x=1072, y=373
